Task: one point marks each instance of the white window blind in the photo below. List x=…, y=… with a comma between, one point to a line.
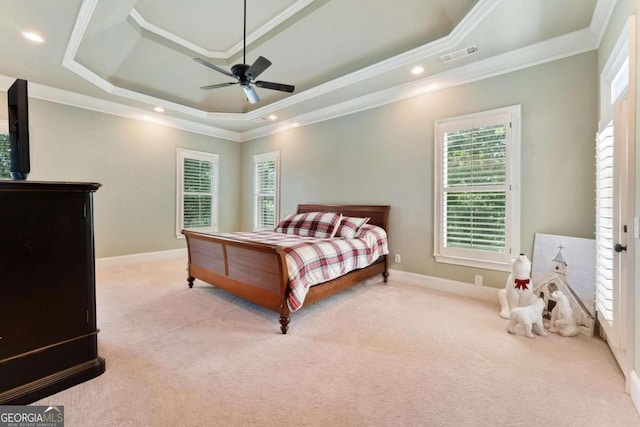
x=266, y=183
x=604, y=224
x=197, y=191
x=475, y=212
x=475, y=192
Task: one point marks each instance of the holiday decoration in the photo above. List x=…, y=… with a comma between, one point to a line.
x=518, y=291
x=530, y=317
x=562, y=320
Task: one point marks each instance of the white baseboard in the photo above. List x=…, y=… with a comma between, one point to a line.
x=484, y=293
x=634, y=389
x=147, y=256
x=436, y=283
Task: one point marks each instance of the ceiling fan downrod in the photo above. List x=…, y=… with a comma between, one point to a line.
x=245, y=74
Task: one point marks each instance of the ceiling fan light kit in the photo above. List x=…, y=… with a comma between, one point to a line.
x=244, y=74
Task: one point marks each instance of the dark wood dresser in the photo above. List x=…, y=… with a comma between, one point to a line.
x=48, y=335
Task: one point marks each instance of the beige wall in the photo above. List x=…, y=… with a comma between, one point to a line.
x=385, y=155
x=135, y=161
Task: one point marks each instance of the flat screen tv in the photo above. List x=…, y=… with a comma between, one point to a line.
x=18, y=104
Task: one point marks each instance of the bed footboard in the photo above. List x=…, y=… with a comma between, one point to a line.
x=253, y=271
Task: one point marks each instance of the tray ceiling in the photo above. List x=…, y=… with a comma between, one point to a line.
x=139, y=54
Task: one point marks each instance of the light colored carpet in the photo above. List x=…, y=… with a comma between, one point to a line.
x=375, y=354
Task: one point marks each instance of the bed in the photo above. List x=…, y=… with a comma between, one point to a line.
x=257, y=272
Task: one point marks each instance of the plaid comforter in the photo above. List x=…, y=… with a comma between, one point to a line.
x=311, y=261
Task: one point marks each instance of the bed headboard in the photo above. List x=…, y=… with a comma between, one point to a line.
x=378, y=214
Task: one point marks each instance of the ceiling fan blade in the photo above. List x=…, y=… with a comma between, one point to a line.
x=214, y=67
x=275, y=86
x=258, y=67
x=219, y=85
x=251, y=93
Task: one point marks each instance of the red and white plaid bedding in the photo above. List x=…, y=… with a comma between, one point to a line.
x=311, y=261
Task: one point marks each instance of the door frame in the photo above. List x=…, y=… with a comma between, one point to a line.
x=624, y=50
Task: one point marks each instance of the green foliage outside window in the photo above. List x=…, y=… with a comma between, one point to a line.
x=197, y=193
x=4, y=156
x=265, y=191
x=476, y=217
x=197, y=211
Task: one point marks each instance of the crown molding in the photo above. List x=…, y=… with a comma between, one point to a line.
x=557, y=48
x=73, y=99
x=601, y=16
x=550, y=50
x=164, y=34
x=216, y=54
x=480, y=10
x=560, y=47
x=435, y=48
x=476, y=15
x=87, y=7
x=5, y=82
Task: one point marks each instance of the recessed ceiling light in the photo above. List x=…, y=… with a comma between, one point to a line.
x=159, y=110
x=417, y=70
x=32, y=36
x=273, y=117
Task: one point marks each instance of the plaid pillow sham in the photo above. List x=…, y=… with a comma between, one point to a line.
x=350, y=226
x=321, y=225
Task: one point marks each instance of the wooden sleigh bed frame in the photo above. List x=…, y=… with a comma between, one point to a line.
x=257, y=272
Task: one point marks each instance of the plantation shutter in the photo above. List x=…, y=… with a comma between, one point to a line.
x=474, y=180
x=197, y=190
x=604, y=226
x=265, y=191
x=198, y=193
x=477, y=189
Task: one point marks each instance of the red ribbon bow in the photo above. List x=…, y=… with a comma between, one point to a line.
x=522, y=283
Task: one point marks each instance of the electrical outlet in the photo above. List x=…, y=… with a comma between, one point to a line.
x=398, y=259
x=478, y=280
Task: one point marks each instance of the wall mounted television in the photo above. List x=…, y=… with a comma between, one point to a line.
x=18, y=108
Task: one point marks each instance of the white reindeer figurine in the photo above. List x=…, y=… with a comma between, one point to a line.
x=562, y=320
x=530, y=317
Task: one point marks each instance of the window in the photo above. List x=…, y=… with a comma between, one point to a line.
x=266, y=173
x=477, y=215
x=197, y=191
x=4, y=151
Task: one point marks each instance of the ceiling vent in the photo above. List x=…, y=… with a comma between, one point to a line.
x=459, y=54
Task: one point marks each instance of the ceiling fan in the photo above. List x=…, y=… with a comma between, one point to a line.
x=244, y=74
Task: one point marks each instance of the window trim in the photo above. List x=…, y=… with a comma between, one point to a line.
x=273, y=155
x=181, y=155
x=612, y=67
x=470, y=257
